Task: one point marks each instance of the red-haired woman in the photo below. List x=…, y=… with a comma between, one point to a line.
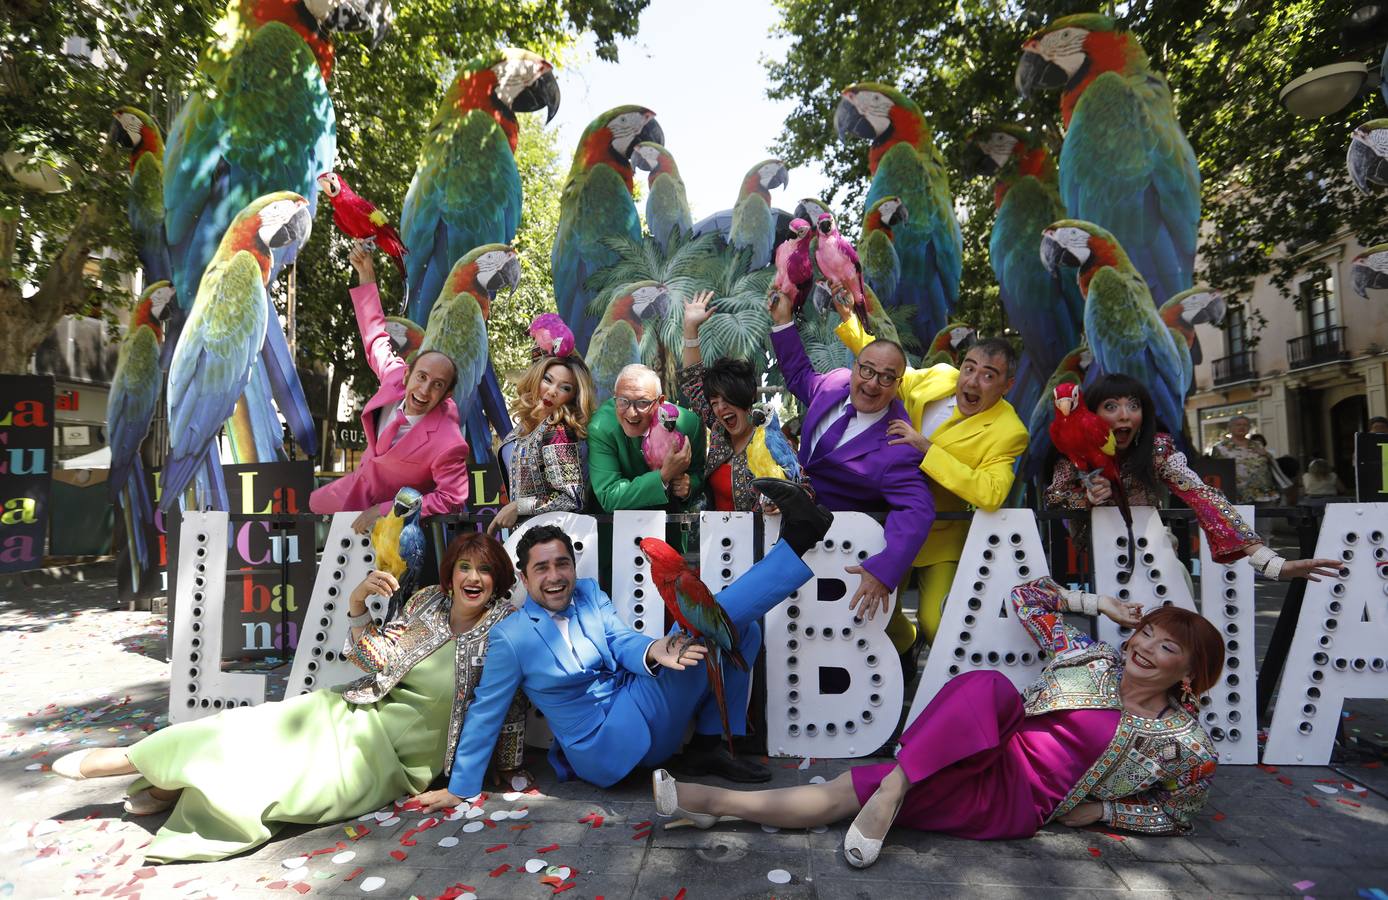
x=234, y=778
x=1102, y=735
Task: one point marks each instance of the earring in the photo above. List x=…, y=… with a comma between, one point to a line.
x=1187, y=695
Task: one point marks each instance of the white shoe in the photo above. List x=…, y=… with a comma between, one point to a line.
x=860, y=851
x=143, y=803
x=69, y=765
x=667, y=802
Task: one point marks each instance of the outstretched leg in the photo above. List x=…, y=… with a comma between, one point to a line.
x=795, y=807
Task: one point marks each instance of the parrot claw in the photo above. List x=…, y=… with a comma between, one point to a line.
x=367, y=243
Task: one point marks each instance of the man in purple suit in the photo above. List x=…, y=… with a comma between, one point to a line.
x=852, y=462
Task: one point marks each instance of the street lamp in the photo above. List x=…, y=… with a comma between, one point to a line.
x=1324, y=91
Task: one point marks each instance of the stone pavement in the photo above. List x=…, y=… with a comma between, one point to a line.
x=74, y=671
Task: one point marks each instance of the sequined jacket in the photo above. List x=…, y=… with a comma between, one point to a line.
x=1229, y=535
x=546, y=470
x=1155, y=774
x=388, y=652
x=720, y=450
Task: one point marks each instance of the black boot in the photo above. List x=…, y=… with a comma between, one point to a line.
x=707, y=754
x=803, y=523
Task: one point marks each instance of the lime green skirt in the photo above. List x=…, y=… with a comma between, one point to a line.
x=312, y=760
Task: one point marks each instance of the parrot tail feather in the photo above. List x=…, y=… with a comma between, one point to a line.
x=715, y=681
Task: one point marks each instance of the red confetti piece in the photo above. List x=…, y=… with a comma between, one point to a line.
x=552, y=880
x=1285, y=780
x=1373, y=765
x=1271, y=770
x=333, y=849
x=597, y=822
x=548, y=849
x=641, y=835
x=399, y=855
x=302, y=887
x=497, y=847
x=355, y=872
x=408, y=841
x=1347, y=802
x=1116, y=837
x=1329, y=781
x=639, y=825
x=499, y=870
x=147, y=872
x=185, y=881
x=1313, y=801
x=680, y=895
x=1094, y=852
x=1220, y=817
x=411, y=805
x=276, y=885
x=521, y=827
x=564, y=887
x=489, y=823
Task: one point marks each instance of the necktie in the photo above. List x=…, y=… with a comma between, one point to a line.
x=833, y=436
x=386, y=439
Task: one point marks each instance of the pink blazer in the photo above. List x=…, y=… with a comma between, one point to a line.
x=431, y=457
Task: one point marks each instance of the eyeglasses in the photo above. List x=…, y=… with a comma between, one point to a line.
x=868, y=373
x=624, y=404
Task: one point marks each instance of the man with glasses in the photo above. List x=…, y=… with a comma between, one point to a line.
x=846, y=449
x=970, y=438
x=619, y=473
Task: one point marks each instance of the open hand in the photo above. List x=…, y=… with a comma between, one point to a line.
x=871, y=593
x=365, y=519
x=1124, y=613
x=1310, y=569
x=779, y=307
x=360, y=258
x=505, y=518
x=677, y=651
x=433, y=801
x=679, y=486
x=902, y=432
x=697, y=310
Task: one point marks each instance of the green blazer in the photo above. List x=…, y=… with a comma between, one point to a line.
x=619, y=474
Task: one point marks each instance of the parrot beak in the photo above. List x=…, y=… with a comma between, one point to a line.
x=899, y=216
x=294, y=232
x=847, y=120
x=407, y=502
x=780, y=179
x=977, y=162
x=118, y=136
x=507, y=276
x=651, y=131
x=1052, y=253
x=1034, y=73
x=542, y=93
x=1363, y=163
x=1363, y=277
x=1065, y=405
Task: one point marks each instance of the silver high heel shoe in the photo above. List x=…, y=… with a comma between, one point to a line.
x=861, y=851
x=69, y=765
x=667, y=802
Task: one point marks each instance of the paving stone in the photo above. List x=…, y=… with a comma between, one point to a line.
x=1226, y=879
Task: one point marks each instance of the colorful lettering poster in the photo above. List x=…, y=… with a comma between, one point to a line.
x=26, y=459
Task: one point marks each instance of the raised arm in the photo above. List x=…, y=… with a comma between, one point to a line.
x=371, y=321
x=375, y=649
x=800, y=376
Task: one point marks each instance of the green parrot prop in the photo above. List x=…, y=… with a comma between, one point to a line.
x=754, y=222
x=1126, y=164
x=137, y=132
x=1121, y=323
x=597, y=203
x=905, y=163
x=457, y=324
x=667, y=207
x=221, y=344
x=1048, y=312
x=950, y=344
x=1195, y=306
x=129, y=410
x=1368, y=156
x=405, y=337
x=466, y=193
x=266, y=124
x=877, y=247
x=621, y=332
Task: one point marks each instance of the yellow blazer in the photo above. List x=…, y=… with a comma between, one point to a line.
x=971, y=458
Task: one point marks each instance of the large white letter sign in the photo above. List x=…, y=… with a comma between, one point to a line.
x=1341, y=639
x=633, y=595
x=197, y=685
x=833, y=684
x=1159, y=579
x=725, y=547
x=979, y=629
x=347, y=559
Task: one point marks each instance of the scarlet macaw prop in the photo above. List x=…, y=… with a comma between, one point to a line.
x=398, y=544
x=1074, y=369
x=135, y=130
x=1087, y=441
x=692, y=605
x=357, y=217
x=877, y=248
x=950, y=345
x=1182, y=313
x=1126, y=164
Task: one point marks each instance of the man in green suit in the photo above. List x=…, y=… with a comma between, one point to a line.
x=620, y=476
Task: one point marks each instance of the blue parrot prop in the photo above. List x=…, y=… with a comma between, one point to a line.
x=466, y=193
x=769, y=450
x=398, y=543
x=1126, y=165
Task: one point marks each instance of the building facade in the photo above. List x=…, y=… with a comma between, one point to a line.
x=1309, y=374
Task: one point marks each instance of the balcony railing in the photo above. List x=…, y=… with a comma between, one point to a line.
x=1322, y=346
x=1234, y=367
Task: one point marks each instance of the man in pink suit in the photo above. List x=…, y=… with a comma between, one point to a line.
x=412, y=433
x=852, y=462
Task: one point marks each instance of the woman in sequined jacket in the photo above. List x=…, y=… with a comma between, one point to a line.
x=542, y=457
x=1148, y=461
x=236, y=777
x=1102, y=735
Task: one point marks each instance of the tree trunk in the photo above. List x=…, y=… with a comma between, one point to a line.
x=334, y=395
x=30, y=319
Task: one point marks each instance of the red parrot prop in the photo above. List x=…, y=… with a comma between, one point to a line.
x=691, y=604
x=1088, y=442
x=357, y=217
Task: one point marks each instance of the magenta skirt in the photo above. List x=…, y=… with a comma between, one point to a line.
x=979, y=768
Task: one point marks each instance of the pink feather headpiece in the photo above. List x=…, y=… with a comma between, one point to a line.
x=552, y=337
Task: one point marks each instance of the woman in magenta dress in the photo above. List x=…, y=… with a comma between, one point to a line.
x=1102, y=735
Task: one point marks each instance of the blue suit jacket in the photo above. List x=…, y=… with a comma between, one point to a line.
x=599, y=731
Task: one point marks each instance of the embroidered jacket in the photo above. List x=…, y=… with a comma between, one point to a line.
x=388, y=652
x=720, y=450
x=1155, y=773
x=1229, y=535
x=546, y=470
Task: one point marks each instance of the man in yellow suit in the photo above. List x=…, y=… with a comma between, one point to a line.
x=971, y=438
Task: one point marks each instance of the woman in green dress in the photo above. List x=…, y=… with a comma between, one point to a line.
x=234, y=778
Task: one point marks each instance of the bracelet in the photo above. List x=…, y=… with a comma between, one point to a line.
x=1266, y=562
x=691, y=343
x=1082, y=602
x=1274, y=568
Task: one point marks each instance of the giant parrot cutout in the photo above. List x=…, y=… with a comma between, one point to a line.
x=1125, y=333
x=905, y=163
x=1126, y=164
x=620, y=333
x=754, y=222
x=667, y=206
x=267, y=125
x=466, y=193
x=1369, y=270
x=597, y=204
x=221, y=344
x=1367, y=160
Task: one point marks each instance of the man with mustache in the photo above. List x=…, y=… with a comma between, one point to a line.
x=412, y=432
x=614, y=698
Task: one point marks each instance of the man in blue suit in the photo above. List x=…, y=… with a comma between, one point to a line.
x=615, y=698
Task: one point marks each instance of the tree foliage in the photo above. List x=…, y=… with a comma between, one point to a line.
x=1273, y=184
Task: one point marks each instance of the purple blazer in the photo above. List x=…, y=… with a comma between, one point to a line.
x=866, y=474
